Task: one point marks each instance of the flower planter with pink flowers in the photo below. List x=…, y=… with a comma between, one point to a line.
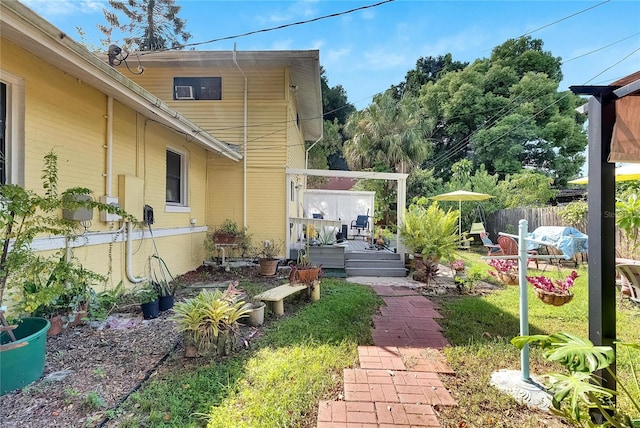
x=553, y=292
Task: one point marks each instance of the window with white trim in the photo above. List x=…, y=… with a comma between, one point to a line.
x=177, y=166
x=11, y=129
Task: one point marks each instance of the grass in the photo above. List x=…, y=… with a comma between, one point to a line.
x=479, y=328
x=298, y=361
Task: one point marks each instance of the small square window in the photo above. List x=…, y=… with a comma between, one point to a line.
x=197, y=88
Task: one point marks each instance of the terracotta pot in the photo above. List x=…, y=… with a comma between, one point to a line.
x=225, y=238
x=306, y=275
x=56, y=326
x=268, y=267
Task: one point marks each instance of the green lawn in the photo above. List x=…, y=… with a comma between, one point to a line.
x=479, y=328
x=299, y=360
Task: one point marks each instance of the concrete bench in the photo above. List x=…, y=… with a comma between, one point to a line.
x=276, y=296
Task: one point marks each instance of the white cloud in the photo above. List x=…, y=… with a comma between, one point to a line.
x=48, y=8
x=382, y=59
x=468, y=40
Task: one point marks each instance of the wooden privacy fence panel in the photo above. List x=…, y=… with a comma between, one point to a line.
x=507, y=221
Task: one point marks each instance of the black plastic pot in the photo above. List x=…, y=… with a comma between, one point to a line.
x=150, y=310
x=166, y=302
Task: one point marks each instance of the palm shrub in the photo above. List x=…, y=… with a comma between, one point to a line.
x=430, y=231
x=209, y=321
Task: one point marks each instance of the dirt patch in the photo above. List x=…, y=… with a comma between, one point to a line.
x=90, y=369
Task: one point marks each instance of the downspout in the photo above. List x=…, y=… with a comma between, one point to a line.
x=244, y=141
x=109, y=172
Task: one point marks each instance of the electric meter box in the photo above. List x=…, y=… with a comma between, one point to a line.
x=105, y=215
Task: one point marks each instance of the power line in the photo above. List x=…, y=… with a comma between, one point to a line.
x=565, y=18
x=599, y=49
x=265, y=30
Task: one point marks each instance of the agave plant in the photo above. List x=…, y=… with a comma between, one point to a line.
x=209, y=321
x=577, y=394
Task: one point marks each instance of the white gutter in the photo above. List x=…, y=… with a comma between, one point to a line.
x=129, y=262
x=244, y=142
x=109, y=172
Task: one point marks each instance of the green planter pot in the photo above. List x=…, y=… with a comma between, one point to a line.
x=21, y=366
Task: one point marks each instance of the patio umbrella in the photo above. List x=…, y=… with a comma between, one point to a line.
x=461, y=195
x=624, y=173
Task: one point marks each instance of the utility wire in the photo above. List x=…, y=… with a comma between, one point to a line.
x=265, y=30
x=565, y=18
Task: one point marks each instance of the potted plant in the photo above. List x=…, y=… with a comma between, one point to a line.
x=506, y=271
x=553, y=292
x=255, y=313
x=209, y=321
x=148, y=298
x=55, y=288
x=303, y=270
x=430, y=233
x=164, y=283
x=26, y=214
x=228, y=234
x=267, y=253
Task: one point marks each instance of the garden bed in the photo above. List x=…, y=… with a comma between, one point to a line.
x=97, y=368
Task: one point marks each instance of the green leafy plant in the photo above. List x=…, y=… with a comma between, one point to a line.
x=628, y=220
x=210, y=320
x=268, y=250
x=575, y=213
x=578, y=394
x=228, y=233
x=430, y=230
x=25, y=215
x=93, y=400
x=147, y=294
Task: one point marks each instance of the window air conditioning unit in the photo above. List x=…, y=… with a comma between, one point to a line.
x=184, y=93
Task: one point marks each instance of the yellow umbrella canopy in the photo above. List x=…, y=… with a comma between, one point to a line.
x=624, y=173
x=461, y=195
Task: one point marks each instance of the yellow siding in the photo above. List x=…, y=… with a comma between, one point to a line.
x=68, y=116
x=273, y=142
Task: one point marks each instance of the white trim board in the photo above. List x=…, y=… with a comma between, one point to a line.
x=100, y=238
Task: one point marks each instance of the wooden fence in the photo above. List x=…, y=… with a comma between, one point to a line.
x=507, y=221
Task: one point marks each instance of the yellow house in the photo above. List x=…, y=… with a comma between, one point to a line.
x=195, y=162
x=265, y=103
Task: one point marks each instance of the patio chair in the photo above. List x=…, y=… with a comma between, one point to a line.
x=509, y=247
x=492, y=249
x=630, y=276
x=360, y=223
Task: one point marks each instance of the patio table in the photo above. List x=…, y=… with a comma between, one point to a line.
x=568, y=240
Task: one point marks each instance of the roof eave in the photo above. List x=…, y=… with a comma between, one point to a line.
x=26, y=29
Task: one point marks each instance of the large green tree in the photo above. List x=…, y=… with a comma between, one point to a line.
x=428, y=69
x=506, y=112
x=327, y=153
x=147, y=24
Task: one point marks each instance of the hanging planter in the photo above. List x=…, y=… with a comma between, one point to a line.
x=508, y=278
x=506, y=271
x=553, y=292
x=551, y=298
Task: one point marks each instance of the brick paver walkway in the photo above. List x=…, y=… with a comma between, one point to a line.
x=398, y=381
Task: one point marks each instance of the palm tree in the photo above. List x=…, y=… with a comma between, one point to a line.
x=389, y=133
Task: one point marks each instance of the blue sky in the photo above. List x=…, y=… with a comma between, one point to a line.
x=369, y=50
